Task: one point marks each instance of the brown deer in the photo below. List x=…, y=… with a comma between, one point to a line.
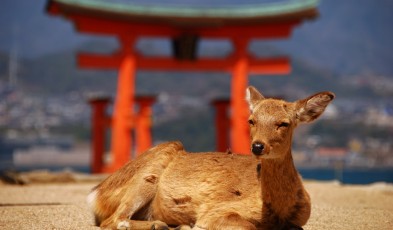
x=166, y=186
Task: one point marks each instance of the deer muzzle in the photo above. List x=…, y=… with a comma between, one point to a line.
x=257, y=148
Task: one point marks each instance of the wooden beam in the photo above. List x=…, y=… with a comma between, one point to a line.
x=99, y=61
x=115, y=27
x=153, y=63
x=261, y=31
x=119, y=28
x=171, y=64
x=278, y=65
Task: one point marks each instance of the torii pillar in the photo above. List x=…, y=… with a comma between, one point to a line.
x=123, y=112
x=143, y=124
x=101, y=122
x=240, y=137
x=222, y=124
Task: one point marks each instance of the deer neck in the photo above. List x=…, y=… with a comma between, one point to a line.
x=280, y=180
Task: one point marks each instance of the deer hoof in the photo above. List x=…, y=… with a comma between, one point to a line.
x=123, y=225
x=183, y=227
x=295, y=228
x=159, y=225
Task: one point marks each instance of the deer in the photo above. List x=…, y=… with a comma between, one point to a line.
x=166, y=187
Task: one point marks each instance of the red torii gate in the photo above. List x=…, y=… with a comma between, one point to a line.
x=185, y=26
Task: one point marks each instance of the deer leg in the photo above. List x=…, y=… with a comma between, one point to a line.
x=228, y=221
x=136, y=198
x=291, y=226
x=296, y=228
x=115, y=207
x=141, y=225
x=183, y=227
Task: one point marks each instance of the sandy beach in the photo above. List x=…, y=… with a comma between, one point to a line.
x=63, y=206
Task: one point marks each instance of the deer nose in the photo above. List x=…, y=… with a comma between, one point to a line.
x=257, y=148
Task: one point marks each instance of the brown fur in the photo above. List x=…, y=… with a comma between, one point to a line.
x=215, y=190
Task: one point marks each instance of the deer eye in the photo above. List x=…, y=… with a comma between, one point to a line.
x=283, y=124
x=251, y=122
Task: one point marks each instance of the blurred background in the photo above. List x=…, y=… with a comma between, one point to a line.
x=45, y=117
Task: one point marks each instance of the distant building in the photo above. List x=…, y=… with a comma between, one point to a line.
x=330, y=155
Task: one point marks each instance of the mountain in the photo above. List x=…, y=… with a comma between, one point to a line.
x=57, y=74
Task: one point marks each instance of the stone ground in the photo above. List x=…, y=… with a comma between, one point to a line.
x=63, y=206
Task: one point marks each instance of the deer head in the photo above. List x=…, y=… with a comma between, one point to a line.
x=273, y=121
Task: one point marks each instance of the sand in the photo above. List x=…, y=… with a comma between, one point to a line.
x=63, y=206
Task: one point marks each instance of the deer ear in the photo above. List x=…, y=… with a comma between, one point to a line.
x=253, y=96
x=312, y=107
